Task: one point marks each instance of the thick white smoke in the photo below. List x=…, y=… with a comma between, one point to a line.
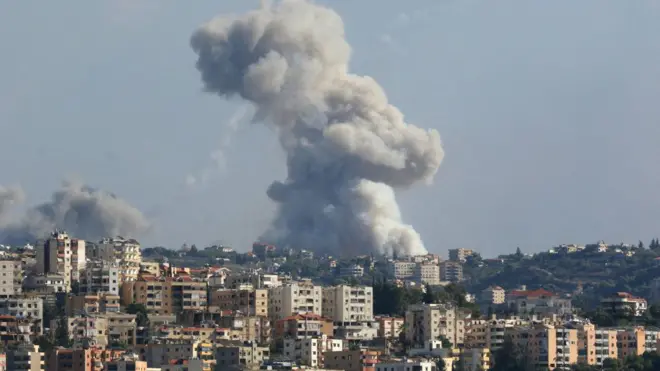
x=82, y=211
x=346, y=145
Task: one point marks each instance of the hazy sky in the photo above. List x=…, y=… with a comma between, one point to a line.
x=549, y=114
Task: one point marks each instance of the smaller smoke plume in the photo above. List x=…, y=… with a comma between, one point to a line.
x=9, y=196
x=82, y=211
x=217, y=156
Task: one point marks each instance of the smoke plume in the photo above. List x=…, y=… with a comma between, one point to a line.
x=82, y=211
x=346, y=146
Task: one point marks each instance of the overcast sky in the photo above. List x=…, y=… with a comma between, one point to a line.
x=549, y=114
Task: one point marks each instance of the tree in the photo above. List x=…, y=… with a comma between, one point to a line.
x=446, y=344
x=640, y=245
x=141, y=314
x=193, y=249
x=428, y=297
x=62, y=333
x=440, y=364
x=519, y=253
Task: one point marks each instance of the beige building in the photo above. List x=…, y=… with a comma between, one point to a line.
x=62, y=255
x=427, y=273
x=310, y=351
x=476, y=359
x=547, y=346
x=232, y=353
x=451, y=271
x=460, y=255
x=152, y=268
x=351, y=360
x=303, y=325
x=490, y=333
x=402, y=269
x=90, y=304
x=493, y=295
x=428, y=322
x=25, y=357
x=250, y=301
x=389, y=327
x=8, y=285
x=348, y=305
x=596, y=345
x=121, y=328
x=166, y=295
x=293, y=298
x=125, y=252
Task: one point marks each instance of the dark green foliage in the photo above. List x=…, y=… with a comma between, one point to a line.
x=392, y=300
x=645, y=362
x=141, y=315
x=440, y=364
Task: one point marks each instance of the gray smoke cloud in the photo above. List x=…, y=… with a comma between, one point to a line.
x=346, y=146
x=82, y=211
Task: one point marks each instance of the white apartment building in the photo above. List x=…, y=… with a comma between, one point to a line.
x=427, y=273
x=427, y=322
x=294, y=298
x=7, y=279
x=62, y=255
x=351, y=271
x=310, y=351
x=255, y=279
x=402, y=269
x=125, y=252
x=348, y=305
x=100, y=277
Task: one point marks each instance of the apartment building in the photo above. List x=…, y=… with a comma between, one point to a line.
x=476, y=359
x=91, y=331
x=406, y=365
x=493, y=295
x=427, y=322
x=257, y=280
x=61, y=254
x=166, y=295
x=303, y=325
x=8, y=285
x=539, y=301
x=121, y=328
x=401, y=270
x=90, y=304
x=427, y=273
x=247, y=328
x=152, y=268
x=451, y=271
x=126, y=363
x=25, y=306
x=548, y=347
x=348, y=305
x=490, y=333
x=623, y=303
x=293, y=298
x=26, y=357
x=100, y=277
x=596, y=345
x=48, y=283
x=310, y=351
x=253, y=302
x=91, y=359
x=460, y=255
x=351, y=360
x=126, y=252
x=354, y=271
x=633, y=341
x=17, y=330
x=233, y=353
x=389, y=327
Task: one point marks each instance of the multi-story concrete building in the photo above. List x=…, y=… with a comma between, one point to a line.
x=351, y=271
x=460, y=255
x=348, y=305
x=351, y=360
x=476, y=359
x=126, y=363
x=547, y=347
x=595, y=345
x=25, y=306
x=489, y=333
x=7, y=279
x=100, y=277
x=310, y=351
x=537, y=301
x=402, y=269
x=257, y=280
x=303, y=325
x=121, y=328
x=427, y=273
x=166, y=295
x=451, y=271
x=406, y=365
x=49, y=283
x=493, y=295
x=635, y=341
x=389, y=327
x=125, y=252
x=90, y=304
x=62, y=255
x=623, y=303
x=299, y=297
x=427, y=322
x=86, y=331
x=233, y=353
x=253, y=302
x=25, y=357
x=90, y=359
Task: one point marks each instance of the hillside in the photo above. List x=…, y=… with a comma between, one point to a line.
x=588, y=274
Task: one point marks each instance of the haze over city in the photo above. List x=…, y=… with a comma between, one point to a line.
x=547, y=114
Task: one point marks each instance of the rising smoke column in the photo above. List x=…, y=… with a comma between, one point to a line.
x=82, y=211
x=346, y=146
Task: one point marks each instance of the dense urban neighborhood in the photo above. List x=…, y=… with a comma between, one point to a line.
x=76, y=305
